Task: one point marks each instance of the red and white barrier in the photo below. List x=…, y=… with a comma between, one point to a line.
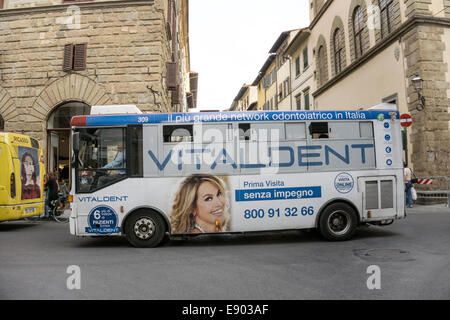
x=425, y=181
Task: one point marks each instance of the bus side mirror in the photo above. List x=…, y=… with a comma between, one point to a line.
x=76, y=142
x=75, y=147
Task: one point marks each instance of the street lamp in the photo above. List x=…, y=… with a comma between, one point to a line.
x=418, y=84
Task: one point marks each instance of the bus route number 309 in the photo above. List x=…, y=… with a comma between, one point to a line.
x=142, y=119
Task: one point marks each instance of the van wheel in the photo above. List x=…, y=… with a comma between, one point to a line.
x=338, y=222
x=145, y=229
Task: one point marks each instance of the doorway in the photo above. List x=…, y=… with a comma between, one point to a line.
x=58, y=137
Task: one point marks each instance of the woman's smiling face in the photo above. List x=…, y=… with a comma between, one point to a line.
x=210, y=204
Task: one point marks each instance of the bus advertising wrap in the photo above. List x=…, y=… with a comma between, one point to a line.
x=236, y=172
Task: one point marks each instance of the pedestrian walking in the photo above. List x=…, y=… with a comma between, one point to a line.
x=407, y=177
x=51, y=186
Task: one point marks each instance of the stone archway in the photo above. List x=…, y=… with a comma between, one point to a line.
x=72, y=89
x=8, y=110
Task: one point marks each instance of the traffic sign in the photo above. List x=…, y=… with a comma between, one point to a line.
x=405, y=120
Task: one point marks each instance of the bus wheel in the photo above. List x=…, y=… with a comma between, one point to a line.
x=145, y=229
x=338, y=222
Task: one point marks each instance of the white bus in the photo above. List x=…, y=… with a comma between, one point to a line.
x=147, y=176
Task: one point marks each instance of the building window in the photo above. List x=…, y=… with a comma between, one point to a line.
x=322, y=66
x=286, y=87
x=306, y=97
x=74, y=57
x=305, y=58
x=297, y=66
x=1, y=4
x=358, y=28
x=338, y=51
x=387, y=17
x=298, y=102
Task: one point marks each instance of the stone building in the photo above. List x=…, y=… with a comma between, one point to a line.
x=367, y=52
x=60, y=57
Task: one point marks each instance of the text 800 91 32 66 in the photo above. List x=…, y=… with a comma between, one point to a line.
x=277, y=212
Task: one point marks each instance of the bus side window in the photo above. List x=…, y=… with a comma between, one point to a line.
x=295, y=130
x=366, y=129
x=267, y=132
x=178, y=133
x=244, y=131
x=135, y=151
x=319, y=130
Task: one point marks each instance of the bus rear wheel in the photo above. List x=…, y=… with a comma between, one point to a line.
x=145, y=229
x=338, y=222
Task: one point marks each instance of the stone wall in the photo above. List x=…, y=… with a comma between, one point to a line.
x=417, y=7
x=127, y=51
x=430, y=135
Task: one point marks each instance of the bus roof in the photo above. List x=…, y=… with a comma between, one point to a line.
x=238, y=116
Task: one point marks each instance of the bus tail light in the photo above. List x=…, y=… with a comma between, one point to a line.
x=70, y=198
x=13, y=185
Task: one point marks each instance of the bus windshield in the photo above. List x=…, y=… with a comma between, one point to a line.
x=101, y=159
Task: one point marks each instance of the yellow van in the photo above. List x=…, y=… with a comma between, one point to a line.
x=22, y=173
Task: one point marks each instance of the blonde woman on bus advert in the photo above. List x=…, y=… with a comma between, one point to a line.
x=200, y=206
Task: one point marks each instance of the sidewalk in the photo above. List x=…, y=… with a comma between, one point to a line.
x=433, y=208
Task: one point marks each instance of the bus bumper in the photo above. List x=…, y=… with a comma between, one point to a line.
x=21, y=211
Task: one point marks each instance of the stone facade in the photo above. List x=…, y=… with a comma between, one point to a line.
x=421, y=30
x=430, y=134
x=128, y=45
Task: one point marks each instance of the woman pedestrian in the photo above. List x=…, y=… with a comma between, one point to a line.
x=51, y=186
x=407, y=176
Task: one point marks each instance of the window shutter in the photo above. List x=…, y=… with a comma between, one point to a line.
x=1, y=4
x=172, y=75
x=176, y=95
x=79, y=61
x=68, y=57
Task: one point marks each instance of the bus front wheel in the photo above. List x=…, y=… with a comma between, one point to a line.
x=338, y=222
x=145, y=229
